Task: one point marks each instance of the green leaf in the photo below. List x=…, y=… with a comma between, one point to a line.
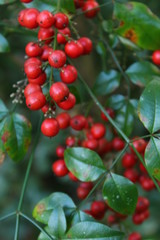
x=68, y=5
x=125, y=118
x=43, y=236
x=3, y=110
x=2, y=2
x=107, y=82
x=138, y=24
x=42, y=4
x=16, y=136
x=92, y=231
x=121, y=194
x=116, y=101
x=149, y=107
x=81, y=216
x=44, y=208
x=101, y=49
x=4, y=45
x=141, y=73
x=128, y=43
x=152, y=157
x=57, y=222
x=84, y=163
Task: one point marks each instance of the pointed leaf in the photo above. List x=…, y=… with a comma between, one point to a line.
x=134, y=21
x=121, y=194
x=81, y=216
x=92, y=231
x=149, y=107
x=16, y=136
x=107, y=82
x=152, y=157
x=57, y=222
x=141, y=73
x=43, y=236
x=84, y=163
x=116, y=101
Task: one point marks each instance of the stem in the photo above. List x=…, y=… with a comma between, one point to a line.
x=7, y=216
x=58, y=5
x=26, y=181
x=37, y=226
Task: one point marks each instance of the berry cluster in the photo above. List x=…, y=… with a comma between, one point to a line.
x=89, y=7
x=141, y=212
x=44, y=54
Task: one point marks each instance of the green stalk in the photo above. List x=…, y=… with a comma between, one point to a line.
x=7, y=216
x=26, y=181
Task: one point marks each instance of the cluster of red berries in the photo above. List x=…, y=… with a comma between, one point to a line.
x=141, y=212
x=42, y=54
x=89, y=7
x=134, y=170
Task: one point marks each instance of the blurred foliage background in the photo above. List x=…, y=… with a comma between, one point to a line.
x=42, y=182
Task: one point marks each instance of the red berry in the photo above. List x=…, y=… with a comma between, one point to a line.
x=98, y=209
x=110, y=113
x=82, y=192
x=156, y=57
x=61, y=20
x=62, y=35
x=30, y=18
x=46, y=35
x=45, y=19
x=139, y=145
x=79, y=3
x=88, y=185
x=69, y=103
x=63, y=119
x=118, y=144
x=135, y=236
x=57, y=59
x=31, y=88
x=98, y=130
x=60, y=151
x=73, y=49
x=137, y=218
x=35, y=101
x=142, y=204
x=26, y=1
x=104, y=146
x=131, y=174
x=59, y=168
x=21, y=17
x=90, y=143
x=70, y=141
x=129, y=160
x=147, y=184
x=87, y=44
x=111, y=219
x=72, y=177
x=33, y=70
x=50, y=127
x=78, y=122
x=90, y=9
x=33, y=49
x=142, y=168
x=68, y=74
x=59, y=92
x=40, y=80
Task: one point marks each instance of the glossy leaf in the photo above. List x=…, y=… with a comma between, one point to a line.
x=138, y=24
x=57, y=222
x=81, y=216
x=141, y=73
x=107, y=82
x=44, y=208
x=152, y=157
x=16, y=136
x=120, y=193
x=149, y=108
x=4, y=45
x=84, y=163
x=3, y=110
x=125, y=118
x=92, y=231
x=116, y=101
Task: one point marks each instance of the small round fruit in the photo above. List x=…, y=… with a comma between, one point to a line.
x=156, y=57
x=59, y=168
x=50, y=127
x=78, y=122
x=46, y=35
x=98, y=130
x=45, y=19
x=73, y=49
x=63, y=120
x=35, y=101
x=69, y=103
x=90, y=9
x=31, y=88
x=110, y=113
x=33, y=49
x=40, y=80
x=87, y=45
x=30, y=18
x=61, y=20
x=134, y=236
x=59, y=92
x=63, y=35
x=57, y=59
x=60, y=151
x=118, y=144
x=129, y=160
x=68, y=74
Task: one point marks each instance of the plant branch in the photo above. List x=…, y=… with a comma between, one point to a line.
x=7, y=216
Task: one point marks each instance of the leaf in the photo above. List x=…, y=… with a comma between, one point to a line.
x=152, y=157
x=84, y=163
x=128, y=43
x=68, y=5
x=149, y=107
x=116, y=101
x=3, y=110
x=125, y=118
x=121, y=194
x=93, y=230
x=44, y=208
x=81, y=216
x=141, y=73
x=107, y=82
x=57, y=222
x=42, y=4
x=101, y=49
x=16, y=136
x=43, y=236
x=2, y=2
x=138, y=24
x=4, y=45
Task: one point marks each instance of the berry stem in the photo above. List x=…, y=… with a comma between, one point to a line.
x=26, y=181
